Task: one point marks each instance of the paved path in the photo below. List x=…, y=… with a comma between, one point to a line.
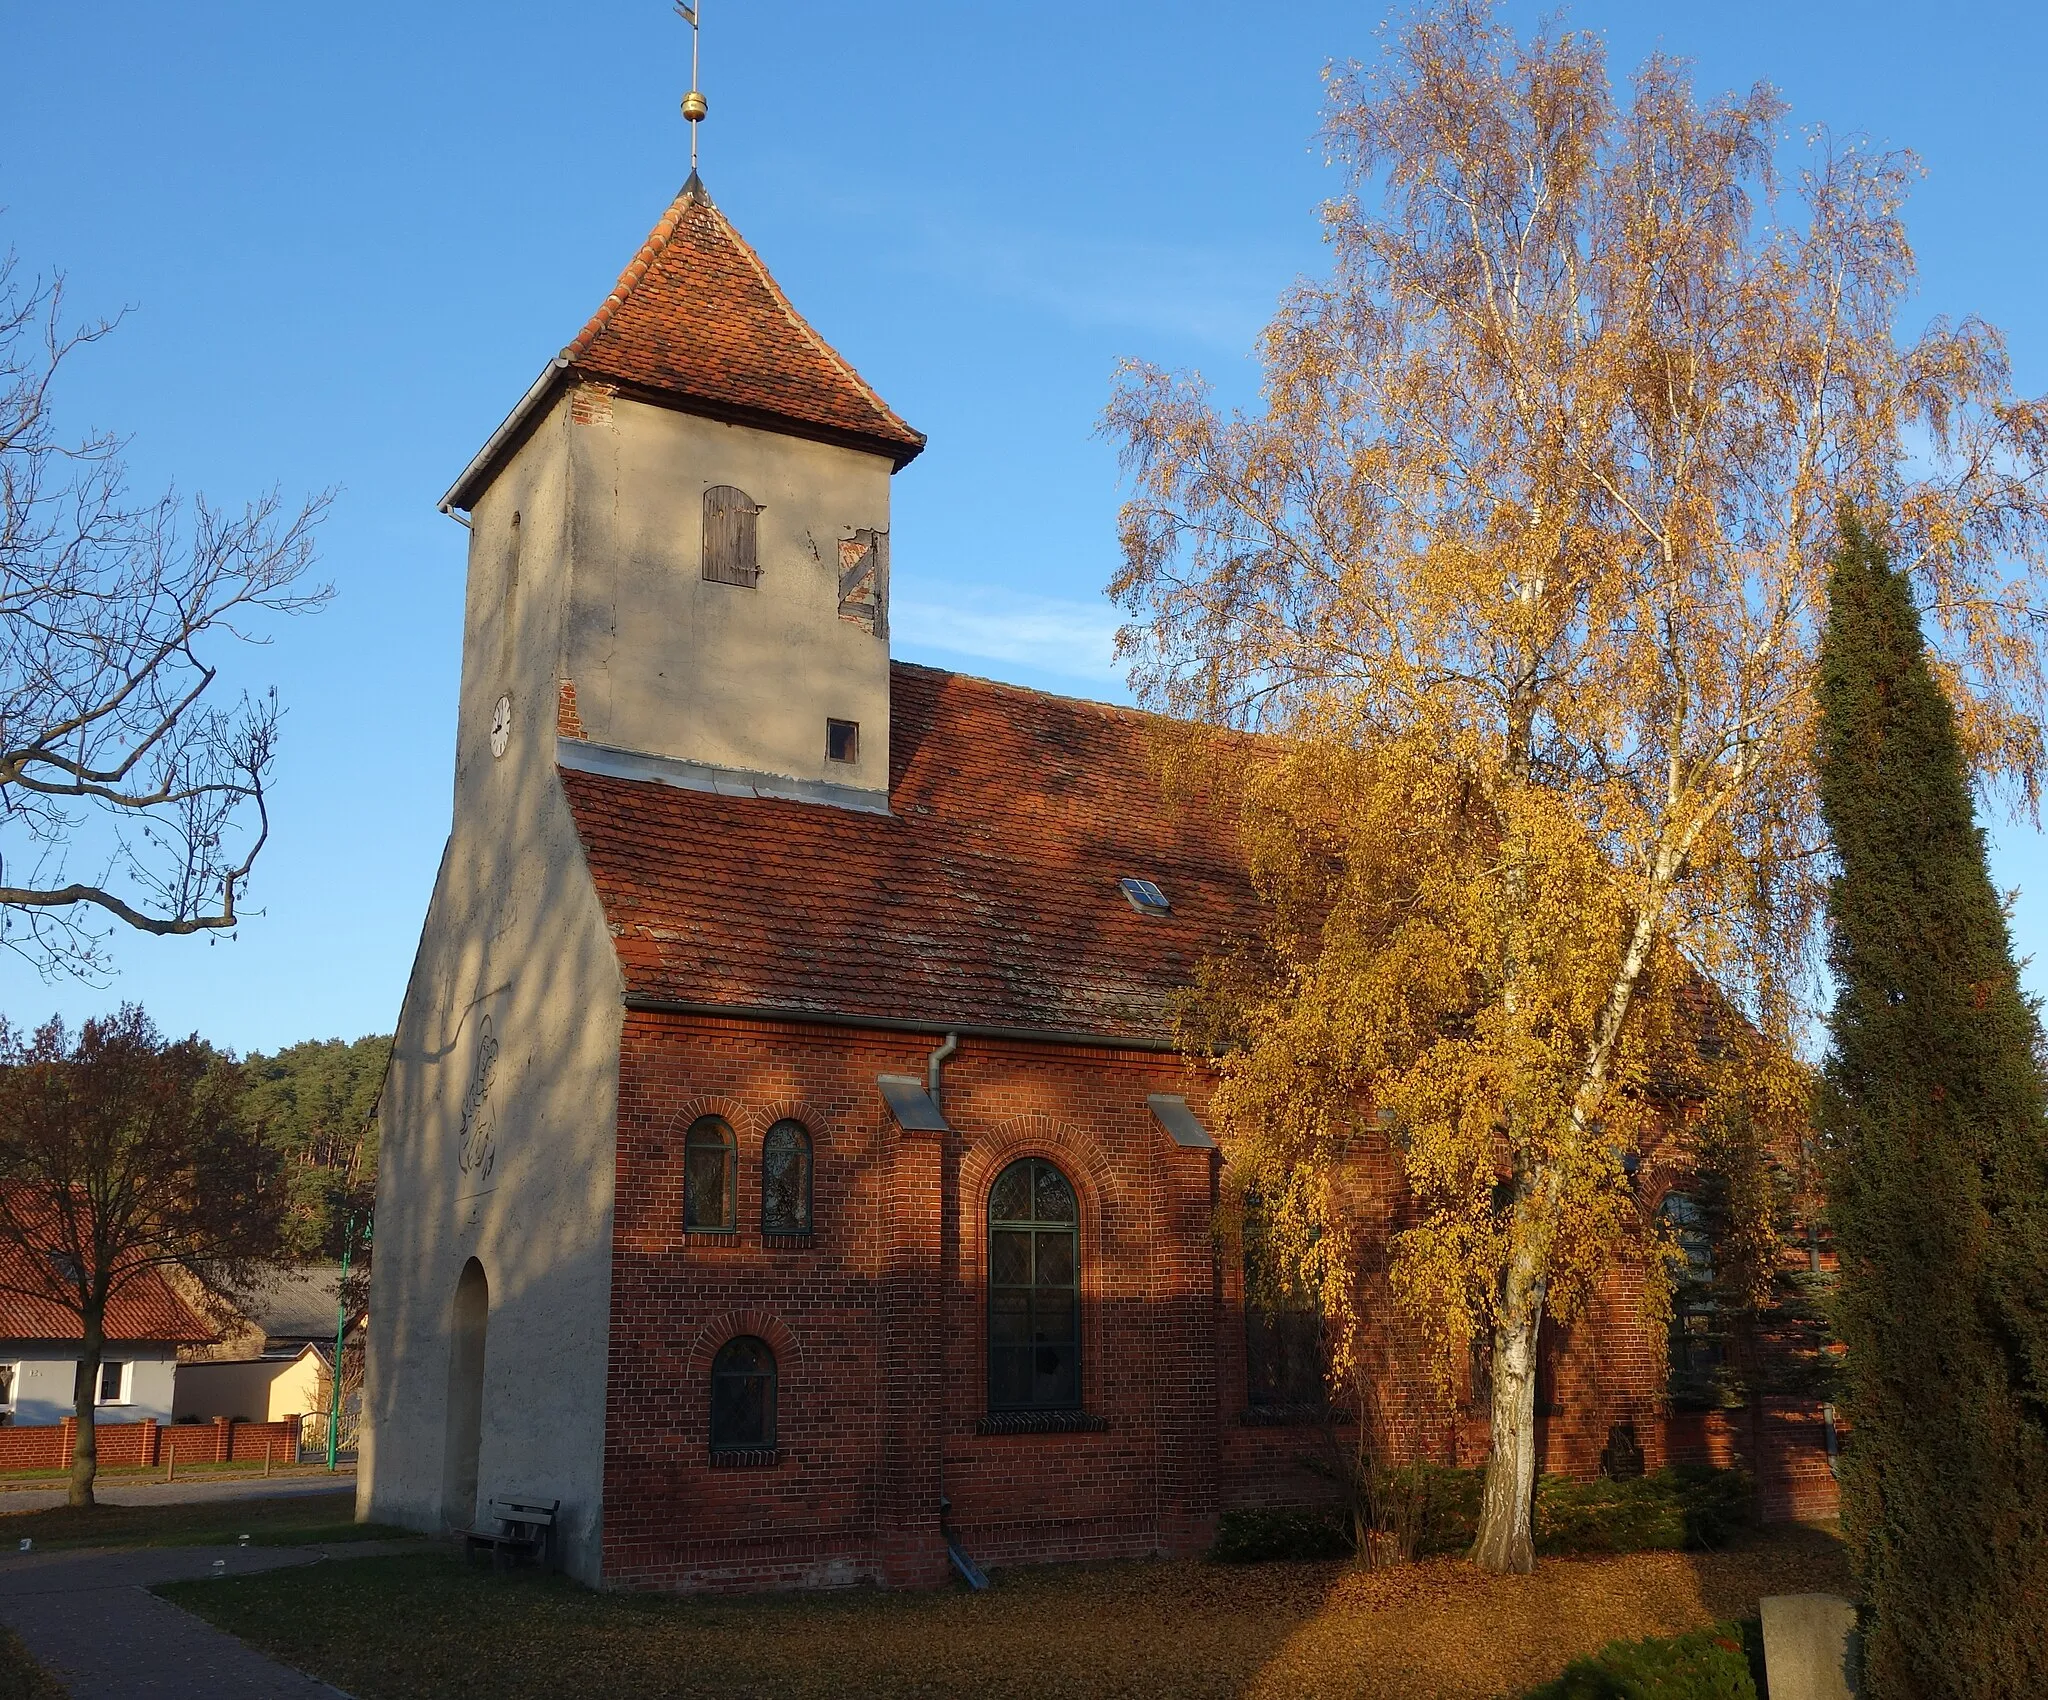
x=88, y=1617
x=156, y=1491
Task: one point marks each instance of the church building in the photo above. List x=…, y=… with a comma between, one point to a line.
x=786, y=1164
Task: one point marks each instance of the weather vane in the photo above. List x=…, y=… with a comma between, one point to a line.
x=694, y=107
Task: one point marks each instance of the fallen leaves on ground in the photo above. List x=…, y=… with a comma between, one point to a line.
x=425, y=1627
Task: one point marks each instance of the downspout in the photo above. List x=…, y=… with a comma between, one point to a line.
x=970, y=1572
x=935, y=1066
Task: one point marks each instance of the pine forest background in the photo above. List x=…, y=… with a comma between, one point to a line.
x=317, y=1102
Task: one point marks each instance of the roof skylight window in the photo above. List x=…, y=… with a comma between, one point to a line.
x=1145, y=897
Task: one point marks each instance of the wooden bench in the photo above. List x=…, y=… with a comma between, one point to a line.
x=525, y=1531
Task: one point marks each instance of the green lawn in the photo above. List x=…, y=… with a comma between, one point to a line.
x=292, y=1520
x=425, y=1627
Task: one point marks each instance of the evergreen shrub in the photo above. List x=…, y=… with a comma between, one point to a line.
x=1936, y=1154
x=1721, y=1663
x=1298, y=1532
x=1686, y=1507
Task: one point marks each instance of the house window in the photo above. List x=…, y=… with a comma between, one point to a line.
x=7, y=1373
x=743, y=1396
x=729, y=524
x=842, y=740
x=786, y=1179
x=710, y=1200
x=1283, y=1329
x=113, y=1384
x=1034, y=1290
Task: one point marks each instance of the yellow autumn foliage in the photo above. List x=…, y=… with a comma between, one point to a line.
x=1523, y=556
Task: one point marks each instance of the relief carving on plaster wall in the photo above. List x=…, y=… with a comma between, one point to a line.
x=479, y=1141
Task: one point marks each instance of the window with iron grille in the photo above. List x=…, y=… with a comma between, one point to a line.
x=730, y=518
x=1034, y=1290
x=710, y=1195
x=743, y=1396
x=786, y=1179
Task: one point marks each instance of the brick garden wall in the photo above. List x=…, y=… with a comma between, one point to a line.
x=147, y=1443
x=877, y=1323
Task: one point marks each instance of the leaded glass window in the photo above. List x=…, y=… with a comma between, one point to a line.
x=743, y=1396
x=710, y=1201
x=1034, y=1290
x=786, y=1179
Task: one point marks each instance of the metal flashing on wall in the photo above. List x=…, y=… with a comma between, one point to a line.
x=1174, y=1115
x=910, y=1104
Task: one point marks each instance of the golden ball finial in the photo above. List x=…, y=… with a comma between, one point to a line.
x=694, y=107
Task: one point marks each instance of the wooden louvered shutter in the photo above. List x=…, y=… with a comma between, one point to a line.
x=729, y=517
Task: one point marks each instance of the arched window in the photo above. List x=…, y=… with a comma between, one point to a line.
x=710, y=1201
x=729, y=548
x=743, y=1396
x=1034, y=1290
x=786, y=1179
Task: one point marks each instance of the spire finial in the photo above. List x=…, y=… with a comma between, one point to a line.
x=694, y=107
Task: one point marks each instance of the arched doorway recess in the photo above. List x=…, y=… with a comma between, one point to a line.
x=467, y=1326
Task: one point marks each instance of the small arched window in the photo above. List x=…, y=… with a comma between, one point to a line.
x=730, y=517
x=710, y=1201
x=743, y=1396
x=1034, y=1290
x=786, y=1179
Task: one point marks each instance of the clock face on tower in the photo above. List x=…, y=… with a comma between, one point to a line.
x=501, y=726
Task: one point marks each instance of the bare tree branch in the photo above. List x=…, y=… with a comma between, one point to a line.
x=112, y=745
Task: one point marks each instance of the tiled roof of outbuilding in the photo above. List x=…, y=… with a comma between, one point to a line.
x=988, y=897
x=697, y=317
x=143, y=1308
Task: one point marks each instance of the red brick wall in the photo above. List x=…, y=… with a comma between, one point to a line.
x=148, y=1442
x=878, y=1324
x=879, y=1333
x=1781, y=1442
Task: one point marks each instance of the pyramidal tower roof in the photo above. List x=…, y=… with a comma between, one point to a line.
x=696, y=322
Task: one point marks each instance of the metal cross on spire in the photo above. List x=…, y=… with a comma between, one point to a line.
x=694, y=107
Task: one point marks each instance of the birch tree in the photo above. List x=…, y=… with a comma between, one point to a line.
x=1524, y=553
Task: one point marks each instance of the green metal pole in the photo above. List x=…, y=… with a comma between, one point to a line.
x=348, y=1241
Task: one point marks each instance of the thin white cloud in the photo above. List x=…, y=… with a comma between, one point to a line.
x=1077, y=639
x=1204, y=294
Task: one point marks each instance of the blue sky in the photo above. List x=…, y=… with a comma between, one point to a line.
x=352, y=235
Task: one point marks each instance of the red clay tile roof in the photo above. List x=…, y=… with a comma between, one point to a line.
x=988, y=897
x=696, y=317
x=143, y=1308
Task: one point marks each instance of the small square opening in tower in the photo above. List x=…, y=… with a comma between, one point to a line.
x=842, y=740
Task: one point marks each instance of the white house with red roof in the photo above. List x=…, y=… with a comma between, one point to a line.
x=146, y=1323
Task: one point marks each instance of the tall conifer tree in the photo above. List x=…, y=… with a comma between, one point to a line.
x=1937, y=1126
